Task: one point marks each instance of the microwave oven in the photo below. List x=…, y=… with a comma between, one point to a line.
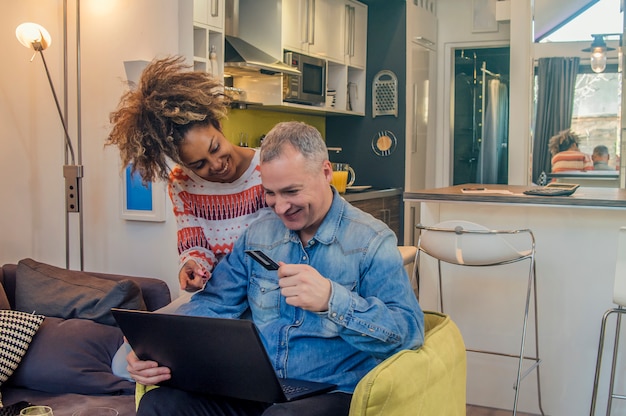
x=310, y=86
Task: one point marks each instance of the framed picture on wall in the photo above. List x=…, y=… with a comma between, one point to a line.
x=484, y=16
x=141, y=202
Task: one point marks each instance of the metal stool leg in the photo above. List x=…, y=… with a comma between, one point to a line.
x=532, y=289
x=537, y=345
x=594, y=397
x=614, y=362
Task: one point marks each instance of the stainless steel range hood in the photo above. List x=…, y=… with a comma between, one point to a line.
x=240, y=55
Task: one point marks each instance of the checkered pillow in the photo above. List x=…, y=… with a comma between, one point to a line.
x=16, y=332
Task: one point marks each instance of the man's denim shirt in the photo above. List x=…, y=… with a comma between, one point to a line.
x=372, y=311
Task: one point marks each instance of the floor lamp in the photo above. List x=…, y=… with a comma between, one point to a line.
x=36, y=37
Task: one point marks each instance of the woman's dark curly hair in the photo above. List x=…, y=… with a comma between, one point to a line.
x=562, y=141
x=150, y=121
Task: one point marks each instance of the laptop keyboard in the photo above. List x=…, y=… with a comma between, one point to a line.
x=288, y=389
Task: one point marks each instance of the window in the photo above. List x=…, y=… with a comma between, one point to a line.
x=597, y=111
x=605, y=16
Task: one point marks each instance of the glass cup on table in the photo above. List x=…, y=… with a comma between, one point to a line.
x=36, y=411
x=343, y=176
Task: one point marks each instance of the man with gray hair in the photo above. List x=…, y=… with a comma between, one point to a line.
x=600, y=157
x=339, y=303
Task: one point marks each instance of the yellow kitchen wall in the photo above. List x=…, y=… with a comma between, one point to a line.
x=255, y=122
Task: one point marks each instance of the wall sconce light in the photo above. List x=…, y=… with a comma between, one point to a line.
x=36, y=37
x=598, y=51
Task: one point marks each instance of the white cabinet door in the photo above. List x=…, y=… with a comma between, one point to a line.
x=209, y=12
x=355, y=38
x=314, y=27
x=296, y=22
x=216, y=13
x=200, y=11
x=327, y=40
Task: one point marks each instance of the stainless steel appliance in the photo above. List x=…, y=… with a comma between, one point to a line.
x=310, y=86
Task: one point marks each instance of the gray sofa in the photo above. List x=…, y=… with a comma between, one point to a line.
x=67, y=363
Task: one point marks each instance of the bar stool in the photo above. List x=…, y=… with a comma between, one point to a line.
x=619, y=298
x=464, y=243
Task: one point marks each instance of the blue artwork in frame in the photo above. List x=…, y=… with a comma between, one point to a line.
x=138, y=195
x=141, y=202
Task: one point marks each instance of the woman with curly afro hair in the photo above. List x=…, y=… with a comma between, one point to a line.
x=169, y=128
x=565, y=153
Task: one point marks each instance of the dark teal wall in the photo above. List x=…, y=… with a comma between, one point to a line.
x=385, y=51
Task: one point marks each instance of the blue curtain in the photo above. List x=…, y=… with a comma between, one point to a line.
x=556, y=82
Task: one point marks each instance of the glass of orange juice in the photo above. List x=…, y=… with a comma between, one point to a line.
x=343, y=176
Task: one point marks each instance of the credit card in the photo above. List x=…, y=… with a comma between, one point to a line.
x=263, y=259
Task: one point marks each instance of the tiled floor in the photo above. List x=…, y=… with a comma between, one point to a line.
x=488, y=411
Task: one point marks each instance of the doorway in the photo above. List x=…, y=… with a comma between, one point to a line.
x=480, y=115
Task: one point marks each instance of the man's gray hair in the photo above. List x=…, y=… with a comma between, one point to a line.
x=304, y=138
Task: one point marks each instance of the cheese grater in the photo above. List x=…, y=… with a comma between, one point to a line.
x=385, y=94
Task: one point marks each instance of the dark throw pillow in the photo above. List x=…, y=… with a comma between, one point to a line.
x=16, y=333
x=52, y=291
x=72, y=356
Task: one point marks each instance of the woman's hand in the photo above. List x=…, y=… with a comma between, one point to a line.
x=192, y=277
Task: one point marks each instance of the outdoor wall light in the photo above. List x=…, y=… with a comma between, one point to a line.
x=598, y=51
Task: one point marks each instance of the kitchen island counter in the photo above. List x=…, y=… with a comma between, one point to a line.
x=513, y=194
x=576, y=249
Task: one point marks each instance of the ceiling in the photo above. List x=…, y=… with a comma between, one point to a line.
x=552, y=14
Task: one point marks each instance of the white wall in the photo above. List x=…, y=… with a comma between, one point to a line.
x=31, y=146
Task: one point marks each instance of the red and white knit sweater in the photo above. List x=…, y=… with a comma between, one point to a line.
x=571, y=160
x=210, y=216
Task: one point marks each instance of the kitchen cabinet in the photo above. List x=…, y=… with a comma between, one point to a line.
x=387, y=209
x=209, y=13
x=355, y=34
x=208, y=35
x=314, y=27
x=422, y=18
x=329, y=29
x=295, y=25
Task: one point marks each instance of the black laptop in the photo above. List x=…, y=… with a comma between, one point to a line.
x=212, y=356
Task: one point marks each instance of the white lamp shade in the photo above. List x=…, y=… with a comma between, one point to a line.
x=33, y=36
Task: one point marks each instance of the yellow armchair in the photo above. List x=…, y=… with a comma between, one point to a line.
x=429, y=381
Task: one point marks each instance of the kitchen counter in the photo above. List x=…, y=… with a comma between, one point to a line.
x=383, y=204
x=590, y=197
x=352, y=196
x=576, y=239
